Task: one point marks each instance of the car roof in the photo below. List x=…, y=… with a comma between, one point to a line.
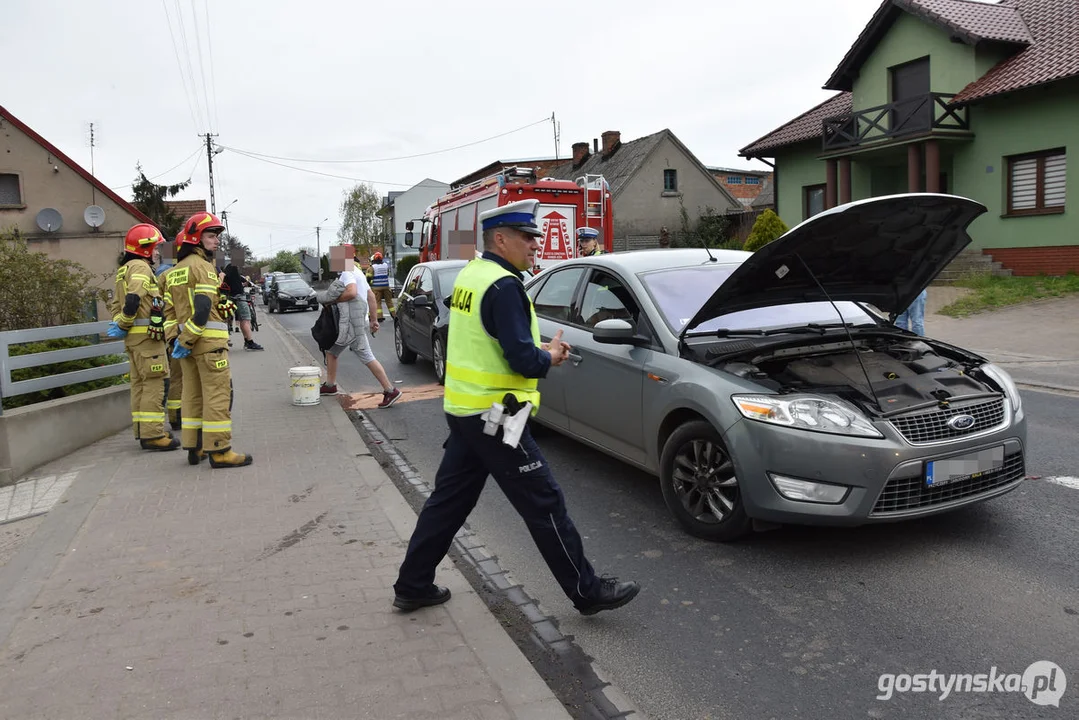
x=443, y=264
x=638, y=261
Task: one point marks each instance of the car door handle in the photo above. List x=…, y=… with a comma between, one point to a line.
x=575, y=359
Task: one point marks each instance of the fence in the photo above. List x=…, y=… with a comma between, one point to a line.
x=9, y=388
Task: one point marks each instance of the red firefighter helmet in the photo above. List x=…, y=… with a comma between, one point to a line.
x=142, y=239
x=196, y=225
x=377, y=257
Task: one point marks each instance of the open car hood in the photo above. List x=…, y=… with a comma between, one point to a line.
x=882, y=251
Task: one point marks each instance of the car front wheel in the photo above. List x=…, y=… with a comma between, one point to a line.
x=405, y=355
x=700, y=486
x=438, y=355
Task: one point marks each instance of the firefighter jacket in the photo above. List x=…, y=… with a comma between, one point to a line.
x=132, y=301
x=193, y=289
x=171, y=329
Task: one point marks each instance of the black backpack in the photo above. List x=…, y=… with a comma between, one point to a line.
x=325, y=328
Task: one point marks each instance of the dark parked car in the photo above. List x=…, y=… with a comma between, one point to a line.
x=423, y=313
x=291, y=293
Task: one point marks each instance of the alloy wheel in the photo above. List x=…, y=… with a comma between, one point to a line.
x=704, y=481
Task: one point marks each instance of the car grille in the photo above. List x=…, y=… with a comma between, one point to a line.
x=911, y=493
x=926, y=426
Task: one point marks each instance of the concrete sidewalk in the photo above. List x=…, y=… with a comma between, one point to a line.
x=157, y=589
x=1037, y=342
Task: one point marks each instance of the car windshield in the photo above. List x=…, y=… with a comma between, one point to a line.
x=680, y=292
x=294, y=287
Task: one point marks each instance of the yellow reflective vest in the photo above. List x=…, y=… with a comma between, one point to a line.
x=134, y=277
x=477, y=373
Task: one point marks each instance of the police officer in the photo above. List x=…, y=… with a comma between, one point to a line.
x=380, y=284
x=138, y=317
x=172, y=331
x=586, y=242
x=495, y=356
x=201, y=308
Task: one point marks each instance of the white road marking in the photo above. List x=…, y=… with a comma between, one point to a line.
x=33, y=496
x=1066, y=481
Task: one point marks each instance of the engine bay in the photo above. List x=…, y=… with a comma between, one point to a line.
x=900, y=373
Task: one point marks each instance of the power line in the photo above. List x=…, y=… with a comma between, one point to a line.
x=202, y=67
x=213, y=76
x=330, y=175
x=403, y=157
x=154, y=177
x=180, y=66
x=187, y=55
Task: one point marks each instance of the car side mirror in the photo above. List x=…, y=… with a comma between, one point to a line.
x=421, y=301
x=615, y=332
x=408, y=239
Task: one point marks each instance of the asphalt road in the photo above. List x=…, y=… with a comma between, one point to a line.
x=795, y=622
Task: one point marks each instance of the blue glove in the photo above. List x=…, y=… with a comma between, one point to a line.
x=115, y=331
x=178, y=350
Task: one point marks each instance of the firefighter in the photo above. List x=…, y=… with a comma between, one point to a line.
x=586, y=242
x=139, y=317
x=202, y=308
x=172, y=331
x=380, y=284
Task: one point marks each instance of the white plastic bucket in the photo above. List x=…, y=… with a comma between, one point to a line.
x=305, y=384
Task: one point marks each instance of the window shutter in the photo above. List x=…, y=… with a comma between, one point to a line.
x=1024, y=190
x=1055, y=172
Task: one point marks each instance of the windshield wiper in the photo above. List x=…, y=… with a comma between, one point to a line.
x=807, y=329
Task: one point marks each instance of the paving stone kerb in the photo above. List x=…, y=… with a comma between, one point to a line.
x=163, y=590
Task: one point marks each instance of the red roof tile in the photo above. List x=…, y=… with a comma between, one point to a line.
x=973, y=21
x=1054, y=54
x=806, y=126
x=73, y=165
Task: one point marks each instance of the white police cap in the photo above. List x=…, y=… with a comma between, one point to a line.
x=520, y=215
x=587, y=233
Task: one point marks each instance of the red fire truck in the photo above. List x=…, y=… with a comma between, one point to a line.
x=450, y=227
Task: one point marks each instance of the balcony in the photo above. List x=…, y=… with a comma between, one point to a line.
x=918, y=115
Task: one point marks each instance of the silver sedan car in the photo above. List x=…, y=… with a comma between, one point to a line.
x=773, y=387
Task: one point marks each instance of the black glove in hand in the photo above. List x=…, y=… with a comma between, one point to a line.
x=156, y=331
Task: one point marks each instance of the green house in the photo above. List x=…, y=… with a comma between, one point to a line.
x=979, y=99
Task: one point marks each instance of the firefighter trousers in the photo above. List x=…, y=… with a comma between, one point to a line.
x=176, y=387
x=384, y=293
x=149, y=384
x=207, y=402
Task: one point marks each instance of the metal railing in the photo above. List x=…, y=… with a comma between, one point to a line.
x=101, y=346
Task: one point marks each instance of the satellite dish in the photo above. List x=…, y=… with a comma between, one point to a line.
x=49, y=220
x=94, y=216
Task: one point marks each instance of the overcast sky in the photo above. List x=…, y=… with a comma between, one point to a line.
x=347, y=80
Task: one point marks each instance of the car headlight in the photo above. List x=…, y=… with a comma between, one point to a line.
x=284, y=296
x=1002, y=378
x=806, y=412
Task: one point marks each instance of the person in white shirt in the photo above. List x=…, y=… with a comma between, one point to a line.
x=355, y=302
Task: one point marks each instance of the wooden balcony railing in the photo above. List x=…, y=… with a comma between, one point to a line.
x=913, y=116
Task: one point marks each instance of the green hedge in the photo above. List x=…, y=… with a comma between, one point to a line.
x=57, y=368
x=404, y=266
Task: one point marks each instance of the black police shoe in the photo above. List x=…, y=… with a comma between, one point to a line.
x=612, y=594
x=436, y=595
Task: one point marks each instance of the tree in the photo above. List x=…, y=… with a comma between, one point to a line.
x=149, y=198
x=286, y=261
x=230, y=242
x=767, y=228
x=360, y=224
x=712, y=230
x=37, y=291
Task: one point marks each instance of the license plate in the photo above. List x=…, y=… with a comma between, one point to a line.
x=964, y=467
x=301, y=302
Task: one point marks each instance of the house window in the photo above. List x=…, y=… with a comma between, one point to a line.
x=812, y=200
x=1036, y=183
x=734, y=179
x=753, y=181
x=10, y=192
x=670, y=180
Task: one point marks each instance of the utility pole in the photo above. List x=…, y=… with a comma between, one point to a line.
x=318, y=247
x=93, y=188
x=210, y=163
x=557, y=133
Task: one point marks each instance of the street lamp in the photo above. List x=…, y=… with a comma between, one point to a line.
x=225, y=216
x=318, y=247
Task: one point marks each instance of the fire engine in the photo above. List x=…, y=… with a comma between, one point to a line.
x=450, y=227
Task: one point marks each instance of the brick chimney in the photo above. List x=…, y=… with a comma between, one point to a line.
x=611, y=140
x=580, y=153
x=595, y=145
